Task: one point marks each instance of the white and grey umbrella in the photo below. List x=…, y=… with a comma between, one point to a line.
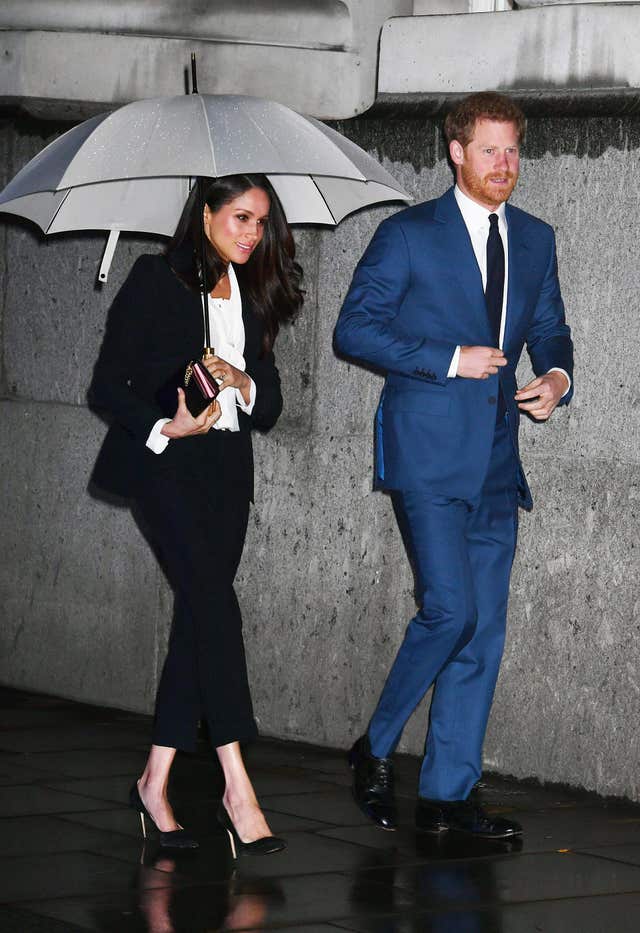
x=131, y=169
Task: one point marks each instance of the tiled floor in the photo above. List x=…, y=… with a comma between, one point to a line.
x=71, y=858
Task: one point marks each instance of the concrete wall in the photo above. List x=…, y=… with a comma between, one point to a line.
x=324, y=585
x=131, y=49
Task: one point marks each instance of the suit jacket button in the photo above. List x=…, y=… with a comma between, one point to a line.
x=492, y=399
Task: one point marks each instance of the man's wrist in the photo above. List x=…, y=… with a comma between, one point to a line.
x=565, y=380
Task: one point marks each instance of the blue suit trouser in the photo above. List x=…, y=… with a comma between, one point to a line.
x=462, y=553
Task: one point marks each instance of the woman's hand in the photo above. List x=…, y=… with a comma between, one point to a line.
x=183, y=424
x=230, y=375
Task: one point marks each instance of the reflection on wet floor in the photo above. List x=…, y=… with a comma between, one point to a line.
x=72, y=857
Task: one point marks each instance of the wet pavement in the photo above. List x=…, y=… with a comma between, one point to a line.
x=72, y=859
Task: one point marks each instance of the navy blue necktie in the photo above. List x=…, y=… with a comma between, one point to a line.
x=494, y=289
x=494, y=292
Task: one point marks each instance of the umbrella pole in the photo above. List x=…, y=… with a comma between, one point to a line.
x=208, y=350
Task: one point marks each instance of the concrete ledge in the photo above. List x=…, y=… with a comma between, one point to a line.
x=107, y=71
x=554, y=52
x=67, y=60
x=301, y=23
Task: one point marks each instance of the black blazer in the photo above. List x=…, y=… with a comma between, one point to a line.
x=154, y=326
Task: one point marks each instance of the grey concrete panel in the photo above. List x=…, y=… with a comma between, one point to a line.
x=295, y=346
x=56, y=314
x=568, y=698
x=534, y=48
x=85, y=606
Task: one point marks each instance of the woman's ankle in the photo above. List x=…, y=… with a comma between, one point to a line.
x=152, y=789
x=234, y=800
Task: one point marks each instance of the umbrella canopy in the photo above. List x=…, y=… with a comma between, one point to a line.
x=154, y=205
x=130, y=169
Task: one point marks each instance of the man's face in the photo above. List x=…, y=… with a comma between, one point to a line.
x=487, y=168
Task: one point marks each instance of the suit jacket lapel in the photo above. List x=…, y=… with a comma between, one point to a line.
x=457, y=244
x=518, y=263
x=185, y=311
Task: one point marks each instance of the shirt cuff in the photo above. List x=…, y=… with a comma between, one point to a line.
x=453, y=366
x=156, y=441
x=242, y=405
x=557, y=369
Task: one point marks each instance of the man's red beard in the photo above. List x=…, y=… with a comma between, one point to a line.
x=480, y=189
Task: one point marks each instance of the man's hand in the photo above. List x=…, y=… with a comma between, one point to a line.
x=183, y=424
x=480, y=362
x=545, y=393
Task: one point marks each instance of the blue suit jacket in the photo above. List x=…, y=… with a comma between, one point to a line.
x=416, y=294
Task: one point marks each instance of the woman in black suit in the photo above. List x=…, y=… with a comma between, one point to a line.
x=192, y=478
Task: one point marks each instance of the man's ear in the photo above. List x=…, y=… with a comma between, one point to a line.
x=456, y=151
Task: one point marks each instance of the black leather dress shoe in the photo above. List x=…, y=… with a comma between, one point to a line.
x=462, y=816
x=373, y=784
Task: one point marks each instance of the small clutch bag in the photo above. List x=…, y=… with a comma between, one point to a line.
x=200, y=389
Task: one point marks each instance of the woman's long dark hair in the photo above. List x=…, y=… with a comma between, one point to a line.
x=271, y=276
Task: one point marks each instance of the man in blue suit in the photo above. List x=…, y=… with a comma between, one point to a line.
x=443, y=301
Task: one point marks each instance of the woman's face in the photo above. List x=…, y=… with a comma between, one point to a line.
x=236, y=228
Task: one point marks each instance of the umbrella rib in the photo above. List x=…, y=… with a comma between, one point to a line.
x=206, y=123
x=57, y=211
x=326, y=203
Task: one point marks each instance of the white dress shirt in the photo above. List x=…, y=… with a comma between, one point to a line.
x=476, y=219
x=227, y=339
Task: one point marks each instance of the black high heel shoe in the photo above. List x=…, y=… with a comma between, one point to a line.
x=176, y=839
x=264, y=846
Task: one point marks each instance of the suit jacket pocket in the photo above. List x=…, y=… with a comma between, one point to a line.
x=427, y=401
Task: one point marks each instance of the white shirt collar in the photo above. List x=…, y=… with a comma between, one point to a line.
x=474, y=214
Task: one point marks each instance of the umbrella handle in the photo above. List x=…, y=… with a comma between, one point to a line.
x=107, y=256
x=207, y=352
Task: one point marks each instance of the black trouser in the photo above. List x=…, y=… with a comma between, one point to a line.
x=196, y=512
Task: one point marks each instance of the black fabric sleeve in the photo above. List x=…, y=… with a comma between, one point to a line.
x=268, y=404
x=128, y=326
